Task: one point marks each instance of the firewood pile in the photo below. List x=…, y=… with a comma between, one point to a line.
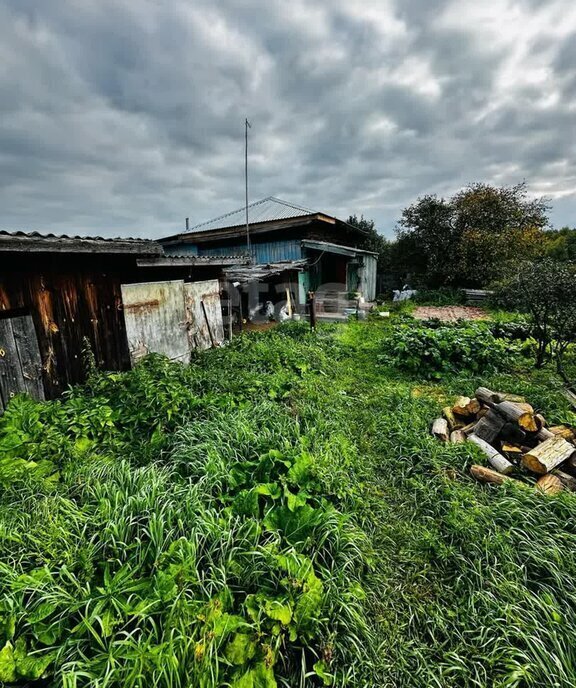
x=514, y=438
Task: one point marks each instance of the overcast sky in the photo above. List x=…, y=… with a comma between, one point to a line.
x=126, y=116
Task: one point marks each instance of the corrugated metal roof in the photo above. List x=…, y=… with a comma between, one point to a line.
x=37, y=242
x=67, y=237
x=267, y=209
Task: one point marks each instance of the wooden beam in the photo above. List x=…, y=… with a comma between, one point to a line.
x=192, y=261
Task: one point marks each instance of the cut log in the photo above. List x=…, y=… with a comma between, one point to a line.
x=517, y=413
x=486, y=396
x=482, y=412
x=540, y=418
x=512, y=433
x=568, y=481
x=488, y=428
x=544, y=434
x=487, y=475
x=527, y=408
x=514, y=398
x=570, y=465
x=457, y=437
x=473, y=407
x=528, y=422
x=550, y=484
x=496, y=460
x=440, y=429
x=454, y=423
x=563, y=431
x=469, y=429
x=546, y=456
x=511, y=452
x=509, y=410
x=570, y=396
x=460, y=407
x=466, y=407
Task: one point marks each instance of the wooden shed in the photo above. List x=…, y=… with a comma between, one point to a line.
x=60, y=293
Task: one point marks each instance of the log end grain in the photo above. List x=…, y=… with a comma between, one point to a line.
x=550, y=484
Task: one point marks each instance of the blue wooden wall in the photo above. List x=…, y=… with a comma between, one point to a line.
x=265, y=252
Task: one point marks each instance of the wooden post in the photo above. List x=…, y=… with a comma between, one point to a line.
x=240, y=314
x=229, y=289
x=288, y=303
x=312, y=309
x=207, y=324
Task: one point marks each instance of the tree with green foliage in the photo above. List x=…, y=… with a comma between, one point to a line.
x=546, y=291
x=427, y=227
x=373, y=240
x=561, y=244
x=474, y=237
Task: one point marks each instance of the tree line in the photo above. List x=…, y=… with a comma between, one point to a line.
x=473, y=239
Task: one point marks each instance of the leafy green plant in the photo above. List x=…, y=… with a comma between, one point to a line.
x=443, y=296
x=432, y=352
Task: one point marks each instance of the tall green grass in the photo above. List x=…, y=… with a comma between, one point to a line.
x=276, y=514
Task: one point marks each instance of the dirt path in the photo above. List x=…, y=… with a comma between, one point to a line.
x=450, y=313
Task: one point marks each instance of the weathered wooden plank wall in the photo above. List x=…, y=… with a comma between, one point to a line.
x=28, y=351
x=67, y=307
x=204, y=314
x=71, y=297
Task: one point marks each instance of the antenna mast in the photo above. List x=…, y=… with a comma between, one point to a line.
x=247, y=126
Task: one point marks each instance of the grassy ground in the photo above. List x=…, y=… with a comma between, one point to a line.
x=276, y=514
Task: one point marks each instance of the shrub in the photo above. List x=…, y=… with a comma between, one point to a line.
x=546, y=292
x=444, y=296
x=431, y=353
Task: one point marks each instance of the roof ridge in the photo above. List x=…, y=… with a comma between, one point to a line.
x=251, y=205
x=290, y=205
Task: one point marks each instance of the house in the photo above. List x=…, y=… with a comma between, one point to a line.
x=60, y=295
x=282, y=232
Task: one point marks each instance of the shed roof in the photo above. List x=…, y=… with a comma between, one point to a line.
x=266, y=210
x=35, y=242
x=246, y=274
x=329, y=247
x=167, y=261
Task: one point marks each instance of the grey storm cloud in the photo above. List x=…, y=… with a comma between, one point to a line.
x=123, y=118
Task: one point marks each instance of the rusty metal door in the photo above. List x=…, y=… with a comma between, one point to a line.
x=204, y=314
x=20, y=361
x=155, y=320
